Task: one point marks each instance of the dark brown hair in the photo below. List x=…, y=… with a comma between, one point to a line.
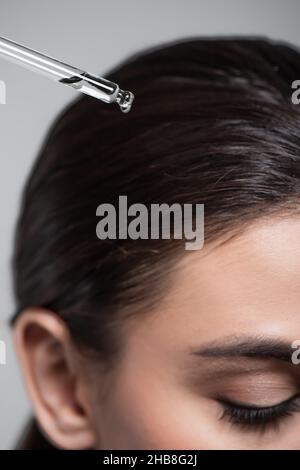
x=212, y=123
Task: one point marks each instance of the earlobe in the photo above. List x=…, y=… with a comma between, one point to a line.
x=51, y=367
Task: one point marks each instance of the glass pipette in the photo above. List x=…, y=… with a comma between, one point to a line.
x=82, y=81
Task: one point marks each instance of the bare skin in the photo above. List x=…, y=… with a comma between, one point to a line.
x=223, y=333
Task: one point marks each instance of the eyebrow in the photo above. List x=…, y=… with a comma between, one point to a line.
x=248, y=347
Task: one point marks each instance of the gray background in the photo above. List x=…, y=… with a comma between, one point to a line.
x=95, y=35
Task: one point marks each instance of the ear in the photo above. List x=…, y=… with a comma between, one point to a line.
x=57, y=388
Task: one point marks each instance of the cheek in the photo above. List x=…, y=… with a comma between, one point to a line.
x=147, y=413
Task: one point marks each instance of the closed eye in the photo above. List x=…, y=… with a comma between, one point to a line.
x=254, y=417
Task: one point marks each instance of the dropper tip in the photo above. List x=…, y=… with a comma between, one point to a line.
x=125, y=100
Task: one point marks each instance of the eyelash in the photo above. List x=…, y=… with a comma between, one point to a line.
x=250, y=417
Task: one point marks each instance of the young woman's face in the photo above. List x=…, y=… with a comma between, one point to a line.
x=211, y=368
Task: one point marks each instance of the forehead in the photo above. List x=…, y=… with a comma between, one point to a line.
x=249, y=285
